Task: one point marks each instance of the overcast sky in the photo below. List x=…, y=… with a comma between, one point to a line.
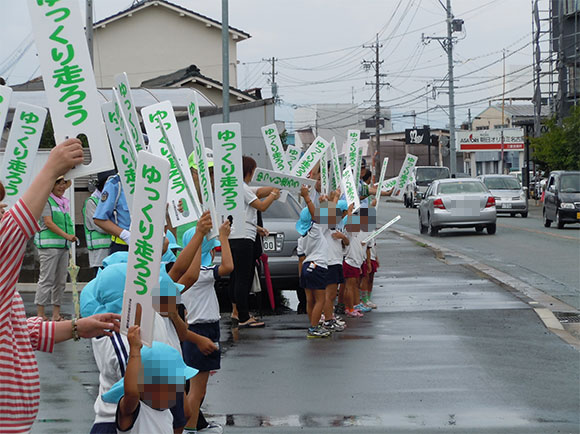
x=319, y=47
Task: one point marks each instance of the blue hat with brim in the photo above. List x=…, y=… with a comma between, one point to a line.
x=172, y=241
x=342, y=205
x=162, y=364
x=206, y=246
x=116, y=258
x=168, y=257
x=167, y=287
x=304, y=223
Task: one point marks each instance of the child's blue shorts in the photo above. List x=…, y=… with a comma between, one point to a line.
x=195, y=358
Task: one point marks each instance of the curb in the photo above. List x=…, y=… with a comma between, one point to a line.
x=543, y=304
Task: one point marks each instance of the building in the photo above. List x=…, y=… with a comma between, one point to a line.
x=155, y=37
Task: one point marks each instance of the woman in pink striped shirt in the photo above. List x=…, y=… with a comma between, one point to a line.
x=19, y=336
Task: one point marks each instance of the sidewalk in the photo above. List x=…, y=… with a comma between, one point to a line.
x=446, y=351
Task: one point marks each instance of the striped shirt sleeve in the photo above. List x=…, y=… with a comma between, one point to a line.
x=41, y=334
x=24, y=219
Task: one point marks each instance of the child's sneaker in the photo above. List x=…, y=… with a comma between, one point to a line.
x=333, y=326
x=213, y=428
x=362, y=308
x=339, y=309
x=370, y=304
x=339, y=321
x=354, y=313
x=317, y=332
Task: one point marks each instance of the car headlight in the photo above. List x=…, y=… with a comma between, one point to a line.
x=523, y=195
x=567, y=205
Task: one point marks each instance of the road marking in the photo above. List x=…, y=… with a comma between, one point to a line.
x=565, y=237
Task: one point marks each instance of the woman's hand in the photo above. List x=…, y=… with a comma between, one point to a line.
x=71, y=238
x=263, y=232
x=98, y=325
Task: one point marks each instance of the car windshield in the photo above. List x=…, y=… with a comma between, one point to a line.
x=426, y=175
x=502, y=183
x=461, y=187
x=570, y=183
x=289, y=210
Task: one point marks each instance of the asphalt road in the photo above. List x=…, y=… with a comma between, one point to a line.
x=546, y=258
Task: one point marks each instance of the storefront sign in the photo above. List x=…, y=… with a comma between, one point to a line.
x=490, y=140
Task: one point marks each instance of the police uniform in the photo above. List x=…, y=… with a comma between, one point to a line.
x=113, y=206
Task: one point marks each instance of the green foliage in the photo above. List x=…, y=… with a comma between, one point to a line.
x=47, y=139
x=559, y=147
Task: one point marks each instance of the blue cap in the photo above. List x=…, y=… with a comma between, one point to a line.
x=104, y=294
x=168, y=257
x=116, y=258
x=172, y=241
x=206, y=246
x=167, y=287
x=304, y=222
x=162, y=364
x=342, y=205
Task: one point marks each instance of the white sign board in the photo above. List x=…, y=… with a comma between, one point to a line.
x=380, y=183
x=269, y=178
x=405, y=174
x=292, y=156
x=69, y=81
x=310, y=157
x=349, y=188
x=5, y=94
x=324, y=173
x=381, y=229
x=335, y=165
x=147, y=230
x=275, y=149
x=352, y=140
x=180, y=180
x=123, y=151
x=129, y=111
x=21, y=149
x=490, y=140
x=199, y=157
x=228, y=175
x=358, y=164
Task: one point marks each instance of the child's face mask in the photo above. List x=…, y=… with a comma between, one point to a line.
x=327, y=214
x=160, y=396
x=364, y=221
x=165, y=305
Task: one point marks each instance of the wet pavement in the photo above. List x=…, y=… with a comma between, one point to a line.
x=446, y=351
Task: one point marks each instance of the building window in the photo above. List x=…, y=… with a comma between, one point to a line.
x=499, y=127
x=574, y=79
x=482, y=128
x=571, y=6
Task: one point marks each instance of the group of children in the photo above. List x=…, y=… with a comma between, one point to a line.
x=335, y=261
x=161, y=388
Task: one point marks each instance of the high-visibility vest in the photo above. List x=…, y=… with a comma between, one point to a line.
x=46, y=239
x=95, y=239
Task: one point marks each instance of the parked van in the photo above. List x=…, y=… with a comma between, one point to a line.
x=422, y=178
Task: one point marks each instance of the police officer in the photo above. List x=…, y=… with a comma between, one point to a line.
x=112, y=215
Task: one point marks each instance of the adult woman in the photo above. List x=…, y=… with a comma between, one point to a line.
x=243, y=248
x=20, y=337
x=53, y=241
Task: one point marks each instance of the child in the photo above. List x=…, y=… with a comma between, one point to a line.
x=153, y=380
x=301, y=309
x=336, y=242
x=353, y=261
x=315, y=266
x=369, y=269
x=203, y=317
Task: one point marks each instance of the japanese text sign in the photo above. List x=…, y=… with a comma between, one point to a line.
x=199, y=157
x=123, y=150
x=405, y=174
x=275, y=149
x=310, y=157
x=349, y=188
x=5, y=94
x=130, y=111
x=324, y=173
x=21, y=149
x=145, y=248
x=358, y=164
x=335, y=165
x=381, y=229
x=292, y=156
x=381, y=178
x=69, y=80
x=269, y=178
x=228, y=175
x=352, y=140
x=181, y=187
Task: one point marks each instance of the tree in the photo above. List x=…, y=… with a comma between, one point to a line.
x=559, y=147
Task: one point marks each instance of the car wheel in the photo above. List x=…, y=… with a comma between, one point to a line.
x=479, y=229
x=433, y=230
x=422, y=228
x=524, y=214
x=547, y=221
x=491, y=229
x=406, y=200
x=513, y=214
x=559, y=222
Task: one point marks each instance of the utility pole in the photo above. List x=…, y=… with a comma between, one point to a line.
x=453, y=25
x=377, y=64
x=225, y=62
x=273, y=78
x=89, y=27
x=501, y=162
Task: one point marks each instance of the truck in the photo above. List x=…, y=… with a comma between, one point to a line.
x=422, y=178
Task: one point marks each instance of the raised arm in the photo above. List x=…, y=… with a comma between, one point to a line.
x=186, y=256
x=227, y=265
x=263, y=205
x=305, y=194
x=130, y=399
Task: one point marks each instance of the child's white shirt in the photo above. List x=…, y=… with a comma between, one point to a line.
x=335, y=249
x=149, y=420
x=373, y=245
x=356, y=252
x=201, y=300
x=315, y=246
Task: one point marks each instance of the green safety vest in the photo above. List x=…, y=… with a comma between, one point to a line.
x=95, y=239
x=46, y=239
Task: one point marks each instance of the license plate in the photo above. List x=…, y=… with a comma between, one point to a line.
x=269, y=243
x=578, y=215
x=507, y=205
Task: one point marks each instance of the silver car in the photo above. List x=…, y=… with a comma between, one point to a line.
x=510, y=197
x=457, y=203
